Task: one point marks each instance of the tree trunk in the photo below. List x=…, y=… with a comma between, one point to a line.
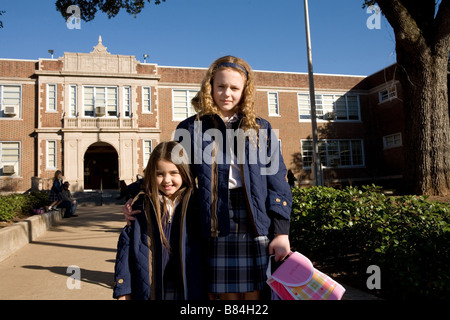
x=422, y=45
x=427, y=129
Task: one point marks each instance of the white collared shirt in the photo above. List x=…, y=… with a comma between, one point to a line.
x=234, y=178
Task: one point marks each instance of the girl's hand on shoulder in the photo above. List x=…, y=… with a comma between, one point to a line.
x=129, y=212
x=280, y=246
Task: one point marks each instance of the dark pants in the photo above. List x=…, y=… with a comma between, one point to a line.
x=67, y=205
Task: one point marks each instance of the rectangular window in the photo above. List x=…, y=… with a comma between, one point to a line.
x=274, y=109
x=181, y=104
x=127, y=101
x=51, y=154
x=335, y=107
x=10, y=101
x=387, y=94
x=111, y=102
x=146, y=100
x=9, y=158
x=392, y=141
x=51, y=97
x=334, y=153
x=100, y=101
x=147, y=151
x=73, y=101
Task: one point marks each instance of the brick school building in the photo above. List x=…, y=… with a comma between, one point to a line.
x=96, y=116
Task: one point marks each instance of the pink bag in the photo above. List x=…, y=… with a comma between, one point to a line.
x=297, y=279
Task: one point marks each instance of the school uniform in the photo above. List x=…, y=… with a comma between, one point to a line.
x=243, y=203
x=55, y=191
x=146, y=269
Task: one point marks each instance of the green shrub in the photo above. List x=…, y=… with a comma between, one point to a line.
x=15, y=205
x=407, y=237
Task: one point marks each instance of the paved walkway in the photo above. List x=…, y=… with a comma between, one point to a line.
x=39, y=270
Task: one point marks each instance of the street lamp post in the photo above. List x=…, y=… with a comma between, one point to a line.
x=316, y=159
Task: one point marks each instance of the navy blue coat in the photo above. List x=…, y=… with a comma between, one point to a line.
x=138, y=269
x=263, y=174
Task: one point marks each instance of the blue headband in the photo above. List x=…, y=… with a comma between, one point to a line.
x=232, y=65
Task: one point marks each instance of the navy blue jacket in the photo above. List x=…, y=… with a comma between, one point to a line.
x=262, y=168
x=138, y=268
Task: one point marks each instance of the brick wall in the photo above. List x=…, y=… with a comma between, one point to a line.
x=21, y=130
x=377, y=120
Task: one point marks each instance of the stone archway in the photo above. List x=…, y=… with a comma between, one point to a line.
x=101, y=167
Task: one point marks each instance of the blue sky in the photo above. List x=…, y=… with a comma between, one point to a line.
x=270, y=35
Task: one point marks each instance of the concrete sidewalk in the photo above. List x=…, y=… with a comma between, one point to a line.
x=39, y=270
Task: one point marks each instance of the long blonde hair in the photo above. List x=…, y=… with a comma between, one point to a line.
x=173, y=152
x=204, y=103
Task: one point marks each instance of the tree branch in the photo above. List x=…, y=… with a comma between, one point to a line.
x=442, y=24
x=405, y=26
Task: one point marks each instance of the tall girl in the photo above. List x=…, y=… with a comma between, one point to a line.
x=159, y=254
x=245, y=207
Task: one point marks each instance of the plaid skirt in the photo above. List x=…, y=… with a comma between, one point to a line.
x=53, y=196
x=238, y=261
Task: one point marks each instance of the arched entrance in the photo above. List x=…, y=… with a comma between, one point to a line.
x=101, y=167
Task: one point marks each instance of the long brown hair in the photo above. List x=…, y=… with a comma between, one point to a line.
x=204, y=103
x=173, y=152
x=57, y=173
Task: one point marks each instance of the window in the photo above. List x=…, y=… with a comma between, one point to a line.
x=9, y=158
x=51, y=97
x=127, y=101
x=181, y=105
x=147, y=151
x=73, y=101
x=330, y=107
x=392, y=141
x=51, y=154
x=10, y=101
x=274, y=109
x=387, y=94
x=146, y=100
x=334, y=153
x=100, y=101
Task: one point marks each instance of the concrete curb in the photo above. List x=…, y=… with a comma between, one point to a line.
x=14, y=237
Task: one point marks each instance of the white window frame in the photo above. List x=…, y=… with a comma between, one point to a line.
x=3, y=102
x=17, y=164
x=273, y=103
x=392, y=141
x=127, y=102
x=147, y=103
x=333, y=157
x=387, y=94
x=73, y=100
x=327, y=107
x=103, y=102
x=146, y=154
x=187, y=95
x=51, y=153
x=52, y=107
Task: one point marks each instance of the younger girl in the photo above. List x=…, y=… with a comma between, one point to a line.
x=55, y=191
x=159, y=255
